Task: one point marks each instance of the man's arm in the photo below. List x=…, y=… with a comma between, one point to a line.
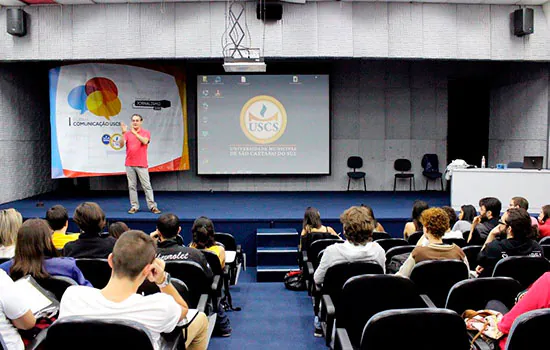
x=476, y=222
x=141, y=139
x=124, y=131
x=158, y=276
x=27, y=321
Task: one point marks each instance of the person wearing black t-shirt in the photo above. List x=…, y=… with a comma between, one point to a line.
x=489, y=214
x=170, y=245
x=515, y=224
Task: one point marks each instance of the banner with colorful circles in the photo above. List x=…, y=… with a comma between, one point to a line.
x=88, y=103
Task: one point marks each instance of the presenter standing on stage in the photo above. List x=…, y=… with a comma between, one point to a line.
x=137, y=141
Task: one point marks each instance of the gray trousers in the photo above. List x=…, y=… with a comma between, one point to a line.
x=133, y=173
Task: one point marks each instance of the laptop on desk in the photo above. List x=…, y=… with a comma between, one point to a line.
x=533, y=162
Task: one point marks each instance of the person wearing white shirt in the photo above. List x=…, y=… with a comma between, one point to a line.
x=14, y=313
x=133, y=260
x=358, y=228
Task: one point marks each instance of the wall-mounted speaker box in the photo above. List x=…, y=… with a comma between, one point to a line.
x=524, y=21
x=273, y=11
x=15, y=22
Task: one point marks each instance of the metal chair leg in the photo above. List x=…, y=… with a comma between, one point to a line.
x=410, y=183
x=414, y=183
x=427, y=183
x=441, y=178
x=365, y=184
x=349, y=179
x=394, y=182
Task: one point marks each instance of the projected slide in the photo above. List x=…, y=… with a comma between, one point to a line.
x=263, y=124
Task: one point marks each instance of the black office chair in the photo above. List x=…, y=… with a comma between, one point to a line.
x=545, y=240
x=56, y=285
x=415, y=237
x=531, y=325
x=472, y=252
x=380, y=235
x=3, y=260
x=436, y=277
x=364, y=296
x=404, y=166
x=230, y=244
x=335, y=278
x=397, y=250
x=200, y=286
x=83, y=333
x=475, y=293
x=430, y=164
x=524, y=269
x=447, y=330
x=356, y=162
x=458, y=241
x=389, y=243
x=546, y=250
x=311, y=258
x=97, y=271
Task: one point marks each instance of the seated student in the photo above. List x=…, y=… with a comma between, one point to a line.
x=116, y=229
x=520, y=202
x=358, y=228
x=489, y=214
x=133, y=260
x=544, y=222
x=58, y=219
x=415, y=225
x=516, y=225
x=465, y=218
x=538, y=297
x=423, y=241
x=313, y=229
x=203, y=238
x=14, y=313
x=90, y=218
x=168, y=247
x=35, y=255
x=377, y=226
x=10, y=222
x=435, y=223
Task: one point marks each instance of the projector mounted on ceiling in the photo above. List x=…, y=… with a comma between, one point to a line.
x=244, y=65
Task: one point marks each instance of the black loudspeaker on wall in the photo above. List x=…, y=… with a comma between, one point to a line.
x=269, y=11
x=16, y=22
x=524, y=21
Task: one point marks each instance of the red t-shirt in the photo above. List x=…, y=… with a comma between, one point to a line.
x=136, y=152
x=538, y=297
x=544, y=229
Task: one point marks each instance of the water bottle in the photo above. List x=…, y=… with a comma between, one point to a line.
x=483, y=161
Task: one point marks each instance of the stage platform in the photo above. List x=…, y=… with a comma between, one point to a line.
x=239, y=213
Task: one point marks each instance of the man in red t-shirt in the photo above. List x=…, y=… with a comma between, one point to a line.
x=137, y=140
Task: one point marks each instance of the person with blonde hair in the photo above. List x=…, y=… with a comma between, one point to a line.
x=10, y=222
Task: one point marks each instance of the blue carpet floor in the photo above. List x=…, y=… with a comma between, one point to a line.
x=272, y=317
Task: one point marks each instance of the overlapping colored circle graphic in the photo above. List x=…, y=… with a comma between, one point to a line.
x=99, y=96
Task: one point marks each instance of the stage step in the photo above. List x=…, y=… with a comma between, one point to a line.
x=276, y=253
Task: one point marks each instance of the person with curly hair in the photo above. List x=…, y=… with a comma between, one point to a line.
x=435, y=222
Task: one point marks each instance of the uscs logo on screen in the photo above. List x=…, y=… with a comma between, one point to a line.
x=263, y=119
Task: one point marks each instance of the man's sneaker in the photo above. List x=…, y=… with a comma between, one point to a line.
x=318, y=332
x=132, y=210
x=225, y=334
x=155, y=210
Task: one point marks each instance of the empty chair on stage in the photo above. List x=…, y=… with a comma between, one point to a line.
x=430, y=164
x=404, y=167
x=356, y=162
